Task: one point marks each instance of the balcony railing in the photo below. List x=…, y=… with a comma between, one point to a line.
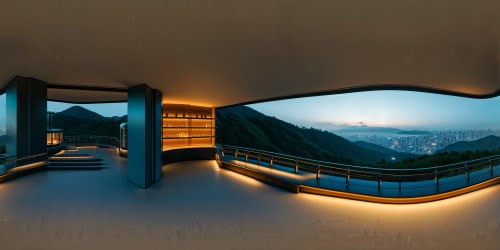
x=92, y=140
x=13, y=166
x=296, y=164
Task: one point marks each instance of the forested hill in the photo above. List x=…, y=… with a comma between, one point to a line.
x=80, y=121
x=243, y=126
x=487, y=143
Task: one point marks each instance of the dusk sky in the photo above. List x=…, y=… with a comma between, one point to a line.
x=107, y=109
x=104, y=109
x=400, y=109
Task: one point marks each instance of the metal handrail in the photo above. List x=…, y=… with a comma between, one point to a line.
x=79, y=140
x=14, y=158
x=14, y=162
x=92, y=140
x=310, y=165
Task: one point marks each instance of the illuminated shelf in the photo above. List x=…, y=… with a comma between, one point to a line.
x=190, y=127
x=190, y=147
x=187, y=118
x=186, y=137
x=186, y=126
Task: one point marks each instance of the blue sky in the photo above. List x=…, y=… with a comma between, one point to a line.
x=104, y=109
x=108, y=110
x=400, y=109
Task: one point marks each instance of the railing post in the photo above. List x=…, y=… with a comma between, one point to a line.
x=491, y=166
x=271, y=162
x=436, y=177
x=246, y=156
x=467, y=172
x=222, y=151
x=379, y=180
x=347, y=177
x=318, y=171
x=258, y=159
x=236, y=154
x=297, y=166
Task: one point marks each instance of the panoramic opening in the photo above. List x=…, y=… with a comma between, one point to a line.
x=395, y=147
x=386, y=129
x=87, y=124
x=74, y=131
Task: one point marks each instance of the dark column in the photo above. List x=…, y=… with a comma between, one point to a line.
x=157, y=137
x=144, y=135
x=26, y=117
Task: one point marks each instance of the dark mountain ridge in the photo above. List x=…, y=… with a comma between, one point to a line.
x=243, y=126
x=486, y=143
x=77, y=120
x=82, y=113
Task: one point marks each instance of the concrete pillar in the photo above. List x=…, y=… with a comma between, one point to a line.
x=144, y=135
x=26, y=117
x=157, y=137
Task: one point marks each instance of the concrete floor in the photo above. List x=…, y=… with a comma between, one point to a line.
x=196, y=205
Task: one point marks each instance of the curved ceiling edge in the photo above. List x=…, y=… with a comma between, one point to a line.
x=401, y=87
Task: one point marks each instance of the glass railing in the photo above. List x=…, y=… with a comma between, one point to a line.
x=296, y=164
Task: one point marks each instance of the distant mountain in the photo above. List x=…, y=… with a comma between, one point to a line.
x=413, y=132
x=116, y=118
x=375, y=147
x=82, y=113
x=487, y=143
x=81, y=121
x=243, y=126
x=389, y=153
x=367, y=129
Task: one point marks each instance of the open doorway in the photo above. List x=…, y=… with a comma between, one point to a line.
x=72, y=128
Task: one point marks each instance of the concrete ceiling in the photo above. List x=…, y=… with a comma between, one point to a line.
x=225, y=52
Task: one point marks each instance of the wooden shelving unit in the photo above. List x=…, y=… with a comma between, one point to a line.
x=185, y=126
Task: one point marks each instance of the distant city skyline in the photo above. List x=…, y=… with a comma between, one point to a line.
x=398, y=109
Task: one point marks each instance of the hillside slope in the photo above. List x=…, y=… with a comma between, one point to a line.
x=386, y=151
x=243, y=126
x=487, y=143
x=80, y=121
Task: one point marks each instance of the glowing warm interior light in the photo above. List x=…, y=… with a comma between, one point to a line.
x=302, y=176
x=243, y=178
x=186, y=126
x=414, y=215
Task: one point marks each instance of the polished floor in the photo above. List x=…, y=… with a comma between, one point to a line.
x=199, y=206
